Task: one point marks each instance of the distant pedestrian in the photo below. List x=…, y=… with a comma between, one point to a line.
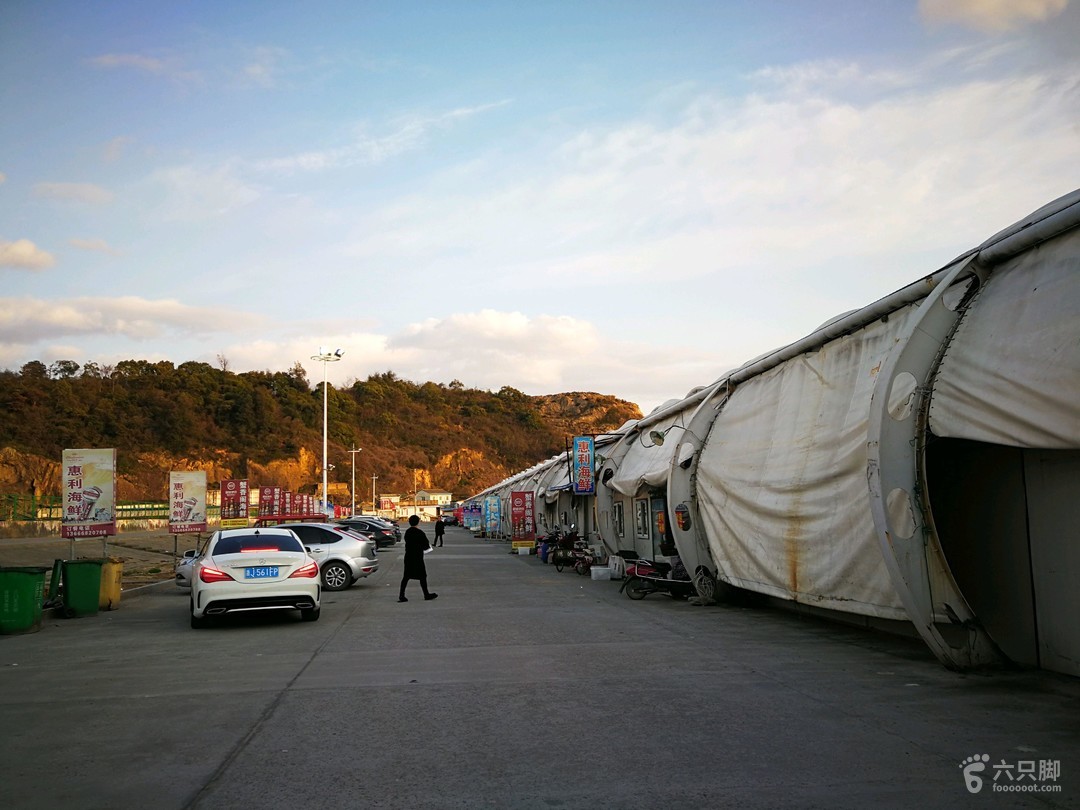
x=416, y=543
x=440, y=530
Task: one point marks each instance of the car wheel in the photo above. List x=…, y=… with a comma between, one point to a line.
x=198, y=622
x=336, y=576
x=310, y=615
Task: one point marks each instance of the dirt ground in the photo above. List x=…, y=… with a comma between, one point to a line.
x=147, y=555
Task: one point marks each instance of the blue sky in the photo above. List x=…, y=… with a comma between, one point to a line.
x=624, y=197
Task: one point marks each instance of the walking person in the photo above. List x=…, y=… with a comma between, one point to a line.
x=416, y=544
x=440, y=530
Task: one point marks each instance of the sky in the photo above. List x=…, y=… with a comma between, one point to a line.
x=624, y=197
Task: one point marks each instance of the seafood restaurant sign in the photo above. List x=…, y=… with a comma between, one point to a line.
x=89, y=493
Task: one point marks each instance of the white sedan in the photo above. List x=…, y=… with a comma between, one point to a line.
x=253, y=569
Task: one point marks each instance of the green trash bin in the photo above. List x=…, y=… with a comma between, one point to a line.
x=82, y=586
x=22, y=592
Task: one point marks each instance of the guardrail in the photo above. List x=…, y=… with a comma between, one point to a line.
x=51, y=508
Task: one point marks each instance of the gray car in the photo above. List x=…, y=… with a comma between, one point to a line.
x=381, y=531
x=343, y=556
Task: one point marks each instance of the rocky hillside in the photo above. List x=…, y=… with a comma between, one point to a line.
x=267, y=427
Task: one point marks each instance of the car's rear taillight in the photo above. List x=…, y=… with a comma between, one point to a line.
x=207, y=574
x=308, y=571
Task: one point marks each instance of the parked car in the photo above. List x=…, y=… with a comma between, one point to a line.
x=253, y=569
x=344, y=556
x=382, y=533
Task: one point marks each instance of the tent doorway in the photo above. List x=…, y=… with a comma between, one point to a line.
x=1007, y=521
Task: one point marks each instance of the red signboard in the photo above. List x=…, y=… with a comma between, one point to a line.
x=523, y=515
x=234, y=503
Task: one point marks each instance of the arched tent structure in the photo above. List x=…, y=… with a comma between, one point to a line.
x=917, y=459
x=632, y=481
x=914, y=459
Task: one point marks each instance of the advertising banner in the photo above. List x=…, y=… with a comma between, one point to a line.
x=474, y=516
x=523, y=515
x=187, y=501
x=287, y=503
x=266, y=501
x=88, y=480
x=491, y=515
x=583, y=452
x=234, y=503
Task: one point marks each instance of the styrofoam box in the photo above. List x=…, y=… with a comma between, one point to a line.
x=524, y=551
x=600, y=572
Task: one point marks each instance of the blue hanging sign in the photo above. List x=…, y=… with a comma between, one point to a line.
x=582, y=463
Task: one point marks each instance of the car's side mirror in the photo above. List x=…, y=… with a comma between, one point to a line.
x=307, y=549
x=191, y=552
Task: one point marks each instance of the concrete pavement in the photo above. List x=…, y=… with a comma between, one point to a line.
x=518, y=687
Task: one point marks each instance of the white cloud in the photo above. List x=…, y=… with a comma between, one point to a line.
x=76, y=192
x=809, y=175
x=194, y=193
x=991, y=15
x=149, y=64
x=115, y=148
x=25, y=254
x=30, y=320
x=95, y=245
x=264, y=65
x=368, y=150
x=545, y=354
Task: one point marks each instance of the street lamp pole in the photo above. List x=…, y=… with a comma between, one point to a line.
x=325, y=356
x=374, y=506
x=352, y=488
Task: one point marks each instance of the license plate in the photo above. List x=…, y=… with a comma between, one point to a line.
x=262, y=572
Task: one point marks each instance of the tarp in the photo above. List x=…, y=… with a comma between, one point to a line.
x=781, y=481
x=556, y=477
x=645, y=463
x=1011, y=374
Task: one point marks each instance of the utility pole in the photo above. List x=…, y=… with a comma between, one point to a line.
x=352, y=488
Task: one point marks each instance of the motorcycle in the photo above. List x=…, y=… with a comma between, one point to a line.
x=648, y=576
x=571, y=552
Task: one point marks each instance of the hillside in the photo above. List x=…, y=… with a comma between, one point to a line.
x=267, y=427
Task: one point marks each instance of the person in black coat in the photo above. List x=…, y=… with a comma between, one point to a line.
x=416, y=543
x=440, y=531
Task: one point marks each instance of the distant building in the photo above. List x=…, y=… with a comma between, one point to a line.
x=436, y=497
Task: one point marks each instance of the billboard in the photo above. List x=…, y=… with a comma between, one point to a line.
x=187, y=501
x=234, y=503
x=88, y=480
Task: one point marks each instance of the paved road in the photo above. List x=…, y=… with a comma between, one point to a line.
x=518, y=687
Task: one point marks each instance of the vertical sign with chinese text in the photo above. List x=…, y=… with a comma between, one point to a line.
x=491, y=515
x=474, y=515
x=187, y=501
x=88, y=479
x=583, y=451
x=522, y=515
x=234, y=503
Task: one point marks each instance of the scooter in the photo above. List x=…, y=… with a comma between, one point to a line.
x=647, y=576
x=570, y=552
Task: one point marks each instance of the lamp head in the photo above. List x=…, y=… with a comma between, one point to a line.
x=338, y=352
x=657, y=437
